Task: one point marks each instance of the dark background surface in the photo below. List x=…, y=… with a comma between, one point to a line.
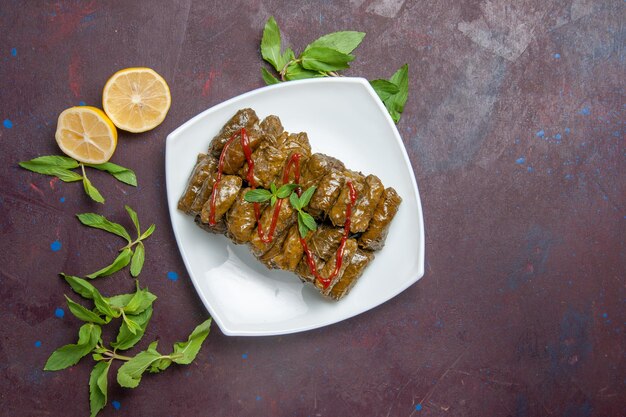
x=515, y=129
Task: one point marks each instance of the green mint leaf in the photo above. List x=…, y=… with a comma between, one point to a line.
x=130, y=373
x=395, y=102
x=53, y=161
x=133, y=216
x=125, y=175
x=82, y=313
x=63, y=174
x=98, y=387
x=92, y=191
x=185, y=352
x=80, y=286
x=100, y=222
x=119, y=301
x=160, y=365
x=86, y=290
x=344, y=42
x=148, y=232
x=285, y=190
x=88, y=337
x=127, y=339
x=308, y=220
x=120, y=262
x=273, y=201
x=131, y=324
x=325, y=59
x=268, y=78
x=136, y=262
x=384, y=88
x=306, y=197
x=141, y=300
x=257, y=196
x=273, y=188
x=295, y=71
x=271, y=44
x=103, y=306
x=288, y=56
x=302, y=227
x=295, y=201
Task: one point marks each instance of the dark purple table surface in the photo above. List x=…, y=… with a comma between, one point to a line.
x=515, y=129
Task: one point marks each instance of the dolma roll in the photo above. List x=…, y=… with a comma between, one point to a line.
x=290, y=253
x=316, y=167
x=244, y=118
x=326, y=193
x=366, y=204
x=285, y=218
x=374, y=237
x=353, y=272
x=268, y=165
x=330, y=266
x=337, y=213
x=240, y=219
x=225, y=195
x=205, y=166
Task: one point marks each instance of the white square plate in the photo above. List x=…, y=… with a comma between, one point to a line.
x=344, y=118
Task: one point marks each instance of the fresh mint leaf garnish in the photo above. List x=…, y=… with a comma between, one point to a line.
x=60, y=166
x=257, y=196
x=345, y=41
x=92, y=191
x=127, y=339
x=125, y=175
x=98, y=221
x=325, y=57
x=126, y=256
x=394, y=98
x=285, y=190
x=306, y=222
x=82, y=313
x=185, y=352
x=260, y=195
x=68, y=355
x=120, y=262
x=98, y=386
x=136, y=262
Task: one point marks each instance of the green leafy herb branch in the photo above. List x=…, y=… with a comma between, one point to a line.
x=127, y=255
x=306, y=222
x=325, y=57
x=132, y=310
x=62, y=166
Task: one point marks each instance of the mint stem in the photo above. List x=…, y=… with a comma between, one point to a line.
x=114, y=355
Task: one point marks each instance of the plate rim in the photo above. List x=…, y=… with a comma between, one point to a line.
x=172, y=136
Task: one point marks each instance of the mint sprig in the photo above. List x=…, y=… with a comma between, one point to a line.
x=306, y=222
x=394, y=92
x=325, y=57
x=127, y=255
x=261, y=195
x=135, y=311
x=62, y=166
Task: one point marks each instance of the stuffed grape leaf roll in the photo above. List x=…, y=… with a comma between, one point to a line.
x=374, y=237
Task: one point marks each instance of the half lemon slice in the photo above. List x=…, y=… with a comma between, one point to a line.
x=136, y=99
x=86, y=134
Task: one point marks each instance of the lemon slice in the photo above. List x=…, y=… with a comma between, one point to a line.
x=86, y=134
x=136, y=99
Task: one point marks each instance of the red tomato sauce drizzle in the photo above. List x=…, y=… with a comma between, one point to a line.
x=339, y=256
x=293, y=162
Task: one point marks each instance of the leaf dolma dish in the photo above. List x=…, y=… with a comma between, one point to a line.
x=344, y=120
x=353, y=210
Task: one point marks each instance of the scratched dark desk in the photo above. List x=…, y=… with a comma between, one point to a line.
x=514, y=126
